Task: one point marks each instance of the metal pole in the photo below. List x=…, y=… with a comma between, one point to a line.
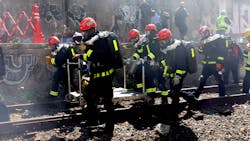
x=124, y=76
x=79, y=77
x=68, y=71
x=143, y=77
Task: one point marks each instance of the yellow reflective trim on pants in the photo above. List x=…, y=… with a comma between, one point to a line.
x=164, y=93
x=181, y=72
x=72, y=52
x=103, y=74
x=220, y=58
x=53, y=61
x=192, y=52
x=115, y=45
x=136, y=55
x=150, y=90
x=139, y=85
x=53, y=93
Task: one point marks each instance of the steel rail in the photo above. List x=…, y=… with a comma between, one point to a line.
x=26, y=126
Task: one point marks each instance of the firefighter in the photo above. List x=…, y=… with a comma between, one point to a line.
x=102, y=69
x=75, y=51
x=151, y=34
x=58, y=58
x=213, y=48
x=143, y=52
x=233, y=60
x=175, y=67
x=246, y=82
x=222, y=23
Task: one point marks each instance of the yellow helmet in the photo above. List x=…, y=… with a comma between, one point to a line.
x=247, y=32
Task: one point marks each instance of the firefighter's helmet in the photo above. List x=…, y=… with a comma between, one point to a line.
x=247, y=33
x=150, y=27
x=203, y=29
x=53, y=40
x=133, y=33
x=164, y=34
x=87, y=24
x=77, y=38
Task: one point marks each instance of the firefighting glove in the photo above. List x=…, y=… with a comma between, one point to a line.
x=151, y=62
x=176, y=80
x=48, y=59
x=140, y=61
x=129, y=60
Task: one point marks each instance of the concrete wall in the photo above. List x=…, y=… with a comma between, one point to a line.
x=28, y=77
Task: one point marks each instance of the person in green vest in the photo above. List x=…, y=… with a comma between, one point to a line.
x=246, y=82
x=222, y=23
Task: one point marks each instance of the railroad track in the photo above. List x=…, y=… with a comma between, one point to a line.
x=33, y=125
x=62, y=104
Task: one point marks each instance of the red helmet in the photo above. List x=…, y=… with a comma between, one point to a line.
x=164, y=34
x=150, y=27
x=133, y=33
x=203, y=29
x=87, y=23
x=53, y=40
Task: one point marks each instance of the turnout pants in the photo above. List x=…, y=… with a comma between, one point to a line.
x=246, y=82
x=207, y=71
x=99, y=88
x=231, y=66
x=59, y=75
x=175, y=93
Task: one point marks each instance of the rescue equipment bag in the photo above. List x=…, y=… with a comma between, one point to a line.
x=116, y=57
